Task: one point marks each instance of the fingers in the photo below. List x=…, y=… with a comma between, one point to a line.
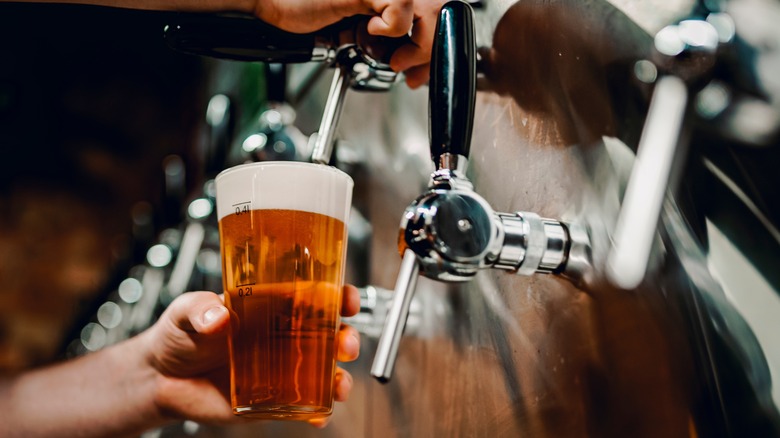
x=349, y=338
x=394, y=19
x=349, y=344
x=198, y=312
x=411, y=55
x=319, y=423
x=343, y=385
x=418, y=76
x=414, y=59
x=350, y=301
x=198, y=399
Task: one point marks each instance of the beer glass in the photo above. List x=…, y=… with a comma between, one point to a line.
x=283, y=239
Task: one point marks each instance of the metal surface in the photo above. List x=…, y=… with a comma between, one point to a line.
x=556, y=127
x=453, y=231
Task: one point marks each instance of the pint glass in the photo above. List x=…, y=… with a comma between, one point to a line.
x=283, y=239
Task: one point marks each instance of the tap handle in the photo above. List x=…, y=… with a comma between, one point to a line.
x=453, y=82
x=334, y=106
x=221, y=122
x=389, y=341
x=238, y=37
x=638, y=219
x=276, y=82
x=688, y=51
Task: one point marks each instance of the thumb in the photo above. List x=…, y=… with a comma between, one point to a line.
x=395, y=20
x=199, y=312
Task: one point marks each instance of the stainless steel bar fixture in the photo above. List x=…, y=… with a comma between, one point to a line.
x=686, y=55
x=452, y=230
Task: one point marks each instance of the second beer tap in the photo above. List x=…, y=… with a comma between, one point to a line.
x=450, y=232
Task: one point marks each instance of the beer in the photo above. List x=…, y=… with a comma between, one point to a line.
x=283, y=273
x=283, y=240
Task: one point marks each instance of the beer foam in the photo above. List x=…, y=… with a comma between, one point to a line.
x=284, y=185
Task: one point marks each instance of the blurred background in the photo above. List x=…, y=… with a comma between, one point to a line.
x=91, y=104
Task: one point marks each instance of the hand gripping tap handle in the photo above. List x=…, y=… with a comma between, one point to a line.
x=451, y=112
x=453, y=84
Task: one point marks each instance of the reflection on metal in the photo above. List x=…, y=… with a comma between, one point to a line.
x=744, y=199
x=753, y=298
x=185, y=262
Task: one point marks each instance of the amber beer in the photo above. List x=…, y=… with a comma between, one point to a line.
x=283, y=242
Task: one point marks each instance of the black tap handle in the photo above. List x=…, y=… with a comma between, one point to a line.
x=276, y=82
x=237, y=37
x=453, y=81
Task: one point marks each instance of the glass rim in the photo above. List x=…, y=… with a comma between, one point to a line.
x=291, y=164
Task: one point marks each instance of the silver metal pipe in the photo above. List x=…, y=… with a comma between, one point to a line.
x=387, y=348
x=638, y=219
x=323, y=145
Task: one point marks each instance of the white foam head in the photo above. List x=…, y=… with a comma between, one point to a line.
x=284, y=185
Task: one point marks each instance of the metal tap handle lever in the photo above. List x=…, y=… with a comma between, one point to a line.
x=276, y=82
x=636, y=224
x=323, y=142
x=688, y=49
x=453, y=84
x=387, y=349
x=361, y=64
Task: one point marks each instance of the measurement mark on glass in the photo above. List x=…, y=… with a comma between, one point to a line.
x=245, y=254
x=242, y=207
x=247, y=274
x=245, y=286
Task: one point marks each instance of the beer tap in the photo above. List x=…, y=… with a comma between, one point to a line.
x=450, y=232
x=272, y=135
x=362, y=63
x=361, y=60
x=685, y=52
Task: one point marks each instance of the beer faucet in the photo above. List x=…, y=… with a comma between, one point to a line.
x=361, y=60
x=272, y=134
x=450, y=232
x=362, y=63
x=686, y=55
